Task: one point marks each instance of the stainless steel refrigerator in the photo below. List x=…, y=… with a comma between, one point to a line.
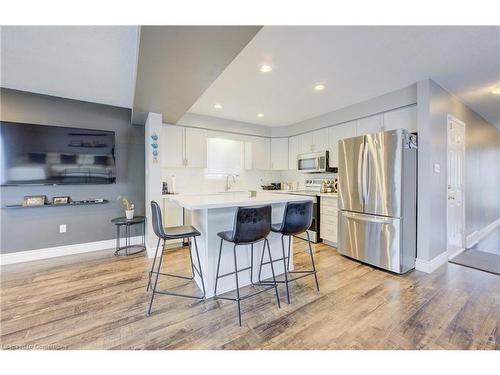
x=377, y=199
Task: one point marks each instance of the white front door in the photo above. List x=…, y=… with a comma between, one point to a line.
x=455, y=187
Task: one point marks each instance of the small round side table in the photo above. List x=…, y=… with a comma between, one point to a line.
x=120, y=222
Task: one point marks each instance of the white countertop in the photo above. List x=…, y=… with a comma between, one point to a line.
x=330, y=195
x=223, y=200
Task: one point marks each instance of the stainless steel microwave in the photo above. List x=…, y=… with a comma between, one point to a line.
x=314, y=162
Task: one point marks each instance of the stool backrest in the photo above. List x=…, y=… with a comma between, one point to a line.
x=297, y=217
x=157, y=220
x=251, y=224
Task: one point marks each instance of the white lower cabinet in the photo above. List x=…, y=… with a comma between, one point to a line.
x=328, y=219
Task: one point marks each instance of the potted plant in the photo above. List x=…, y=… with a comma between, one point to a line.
x=127, y=205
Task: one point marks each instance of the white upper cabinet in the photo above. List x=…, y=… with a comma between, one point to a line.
x=313, y=141
x=336, y=133
x=183, y=147
x=293, y=151
x=258, y=153
x=403, y=118
x=369, y=125
x=172, y=146
x=279, y=153
x=305, y=143
x=320, y=140
x=195, y=155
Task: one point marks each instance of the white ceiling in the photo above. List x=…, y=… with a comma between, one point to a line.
x=355, y=64
x=90, y=63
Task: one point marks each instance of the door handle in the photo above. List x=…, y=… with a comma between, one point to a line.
x=366, y=182
x=371, y=219
x=361, y=195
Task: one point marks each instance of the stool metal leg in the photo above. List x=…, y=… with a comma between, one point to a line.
x=272, y=271
x=237, y=285
x=262, y=261
x=289, y=250
x=153, y=265
x=285, y=269
x=312, y=261
x=191, y=258
x=199, y=266
x=218, y=266
x=156, y=280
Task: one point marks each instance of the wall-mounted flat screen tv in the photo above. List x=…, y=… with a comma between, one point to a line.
x=33, y=154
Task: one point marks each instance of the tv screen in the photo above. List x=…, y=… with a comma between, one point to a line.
x=51, y=155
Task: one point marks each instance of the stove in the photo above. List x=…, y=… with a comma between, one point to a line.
x=312, y=188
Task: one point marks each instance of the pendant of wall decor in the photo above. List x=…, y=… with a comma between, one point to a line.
x=155, y=148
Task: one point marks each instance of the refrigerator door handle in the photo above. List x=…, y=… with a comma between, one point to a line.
x=365, y=172
x=361, y=188
x=370, y=218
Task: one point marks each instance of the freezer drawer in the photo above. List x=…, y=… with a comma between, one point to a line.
x=375, y=240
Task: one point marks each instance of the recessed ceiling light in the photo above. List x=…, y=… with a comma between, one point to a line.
x=266, y=68
x=496, y=90
x=260, y=115
x=319, y=87
x=217, y=106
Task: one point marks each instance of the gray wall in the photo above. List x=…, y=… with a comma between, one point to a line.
x=35, y=228
x=482, y=172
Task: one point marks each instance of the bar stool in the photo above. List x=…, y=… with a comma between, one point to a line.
x=171, y=233
x=297, y=218
x=251, y=225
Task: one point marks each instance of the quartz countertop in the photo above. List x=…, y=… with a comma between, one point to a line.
x=232, y=199
x=329, y=195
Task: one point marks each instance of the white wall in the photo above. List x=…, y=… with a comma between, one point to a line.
x=153, y=176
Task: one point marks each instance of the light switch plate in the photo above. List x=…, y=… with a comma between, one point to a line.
x=62, y=228
x=437, y=168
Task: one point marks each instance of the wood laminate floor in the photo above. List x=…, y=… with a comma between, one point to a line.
x=99, y=301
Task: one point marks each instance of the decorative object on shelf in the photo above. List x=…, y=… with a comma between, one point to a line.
x=155, y=148
x=34, y=200
x=164, y=188
x=127, y=205
x=61, y=200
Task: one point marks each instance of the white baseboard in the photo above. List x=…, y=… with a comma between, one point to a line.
x=429, y=266
x=52, y=252
x=473, y=238
x=454, y=252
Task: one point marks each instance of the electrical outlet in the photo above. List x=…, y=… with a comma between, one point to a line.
x=62, y=228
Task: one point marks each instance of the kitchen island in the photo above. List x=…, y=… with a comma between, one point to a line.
x=213, y=213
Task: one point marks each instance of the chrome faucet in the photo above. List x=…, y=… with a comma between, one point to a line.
x=228, y=187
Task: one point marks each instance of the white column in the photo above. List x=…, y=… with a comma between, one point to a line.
x=152, y=175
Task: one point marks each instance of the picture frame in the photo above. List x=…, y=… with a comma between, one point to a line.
x=61, y=200
x=34, y=200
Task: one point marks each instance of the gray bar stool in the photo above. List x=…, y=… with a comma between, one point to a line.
x=251, y=225
x=297, y=218
x=171, y=233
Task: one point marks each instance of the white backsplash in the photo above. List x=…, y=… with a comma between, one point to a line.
x=195, y=181
x=292, y=176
